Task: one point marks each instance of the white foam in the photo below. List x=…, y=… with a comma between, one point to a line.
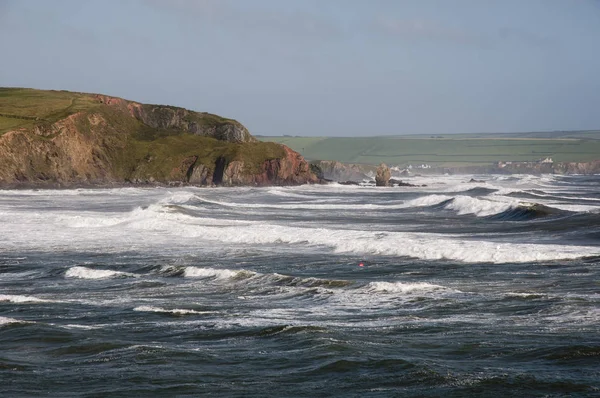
x=88, y=273
x=181, y=197
x=399, y=287
x=526, y=295
x=466, y=204
x=81, y=327
x=286, y=192
x=158, y=228
x=479, y=207
x=196, y=272
x=129, y=191
x=151, y=232
x=429, y=200
x=91, y=220
x=176, y=311
x=20, y=299
x=307, y=206
x=420, y=245
x=6, y=321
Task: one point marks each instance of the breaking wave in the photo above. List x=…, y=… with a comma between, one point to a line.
x=175, y=311
x=7, y=321
x=195, y=272
x=426, y=246
x=493, y=209
x=88, y=273
x=404, y=288
x=307, y=206
x=17, y=299
x=524, y=212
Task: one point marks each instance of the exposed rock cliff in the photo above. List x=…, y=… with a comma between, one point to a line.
x=338, y=171
x=592, y=167
x=74, y=139
x=291, y=169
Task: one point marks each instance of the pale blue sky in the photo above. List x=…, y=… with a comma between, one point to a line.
x=322, y=67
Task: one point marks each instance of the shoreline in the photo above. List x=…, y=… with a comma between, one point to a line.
x=177, y=184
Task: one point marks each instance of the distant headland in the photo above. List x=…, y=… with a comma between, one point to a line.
x=65, y=139
x=352, y=158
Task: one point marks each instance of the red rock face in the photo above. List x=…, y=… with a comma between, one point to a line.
x=292, y=169
x=113, y=101
x=64, y=156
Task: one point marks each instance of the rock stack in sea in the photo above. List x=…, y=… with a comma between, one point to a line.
x=382, y=178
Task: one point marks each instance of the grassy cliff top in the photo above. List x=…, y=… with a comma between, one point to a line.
x=25, y=108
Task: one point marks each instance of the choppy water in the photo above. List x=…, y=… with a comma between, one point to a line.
x=467, y=289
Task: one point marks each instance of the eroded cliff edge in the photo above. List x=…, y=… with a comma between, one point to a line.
x=59, y=138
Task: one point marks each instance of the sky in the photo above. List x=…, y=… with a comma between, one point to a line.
x=322, y=67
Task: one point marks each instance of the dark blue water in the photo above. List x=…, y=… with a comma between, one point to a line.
x=490, y=289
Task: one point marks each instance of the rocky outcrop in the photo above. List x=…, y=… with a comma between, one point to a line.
x=199, y=123
x=338, y=171
x=58, y=154
x=201, y=175
x=180, y=119
x=592, y=167
x=291, y=169
x=382, y=178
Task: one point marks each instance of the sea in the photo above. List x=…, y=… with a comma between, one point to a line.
x=459, y=286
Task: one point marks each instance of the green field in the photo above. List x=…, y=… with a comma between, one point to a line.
x=447, y=150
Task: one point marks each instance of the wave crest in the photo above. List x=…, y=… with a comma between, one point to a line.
x=17, y=299
x=88, y=273
x=404, y=288
x=196, y=272
x=175, y=311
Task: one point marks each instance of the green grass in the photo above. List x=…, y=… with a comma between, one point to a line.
x=447, y=151
x=24, y=108
x=161, y=157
